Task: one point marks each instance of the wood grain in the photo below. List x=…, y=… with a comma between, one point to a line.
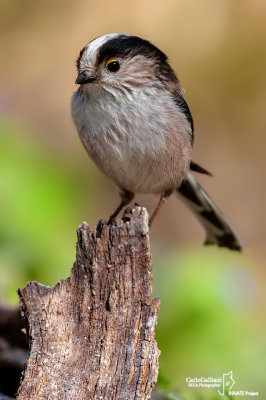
x=92, y=335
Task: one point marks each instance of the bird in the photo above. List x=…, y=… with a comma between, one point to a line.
x=135, y=124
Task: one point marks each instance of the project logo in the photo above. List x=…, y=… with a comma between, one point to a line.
x=228, y=383
x=224, y=385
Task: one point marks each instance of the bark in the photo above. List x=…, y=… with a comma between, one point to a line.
x=92, y=335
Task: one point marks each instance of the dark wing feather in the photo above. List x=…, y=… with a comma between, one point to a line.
x=197, y=168
x=182, y=105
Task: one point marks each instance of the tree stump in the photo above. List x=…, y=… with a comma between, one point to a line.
x=92, y=335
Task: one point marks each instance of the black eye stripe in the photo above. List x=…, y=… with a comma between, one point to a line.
x=113, y=66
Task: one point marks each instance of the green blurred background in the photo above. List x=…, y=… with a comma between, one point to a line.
x=212, y=317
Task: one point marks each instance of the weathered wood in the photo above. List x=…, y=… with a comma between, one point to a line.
x=92, y=335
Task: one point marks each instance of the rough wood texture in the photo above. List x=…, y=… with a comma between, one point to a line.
x=92, y=335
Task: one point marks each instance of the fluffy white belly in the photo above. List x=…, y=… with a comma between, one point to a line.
x=141, y=143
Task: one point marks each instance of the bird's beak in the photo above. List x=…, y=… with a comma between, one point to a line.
x=83, y=78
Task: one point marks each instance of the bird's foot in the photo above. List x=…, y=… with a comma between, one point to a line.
x=127, y=214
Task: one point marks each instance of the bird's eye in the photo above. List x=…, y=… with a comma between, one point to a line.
x=112, y=65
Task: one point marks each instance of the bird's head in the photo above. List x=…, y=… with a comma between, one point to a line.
x=122, y=61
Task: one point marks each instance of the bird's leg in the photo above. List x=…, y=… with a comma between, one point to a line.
x=126, y=198
x=161, y=202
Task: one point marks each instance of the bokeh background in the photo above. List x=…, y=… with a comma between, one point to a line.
x=212, y=317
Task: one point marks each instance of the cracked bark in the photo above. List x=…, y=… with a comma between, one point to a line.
x=92, y=335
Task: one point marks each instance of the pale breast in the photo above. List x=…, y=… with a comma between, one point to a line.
x=140, y=140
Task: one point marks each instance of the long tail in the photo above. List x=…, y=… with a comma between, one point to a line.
x=218, y=229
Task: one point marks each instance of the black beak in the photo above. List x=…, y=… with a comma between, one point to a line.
x=84, y=78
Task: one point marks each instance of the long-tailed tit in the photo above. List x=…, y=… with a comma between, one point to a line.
x=135, y=124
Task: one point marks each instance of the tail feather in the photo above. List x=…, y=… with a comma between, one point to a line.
x=218, y=229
